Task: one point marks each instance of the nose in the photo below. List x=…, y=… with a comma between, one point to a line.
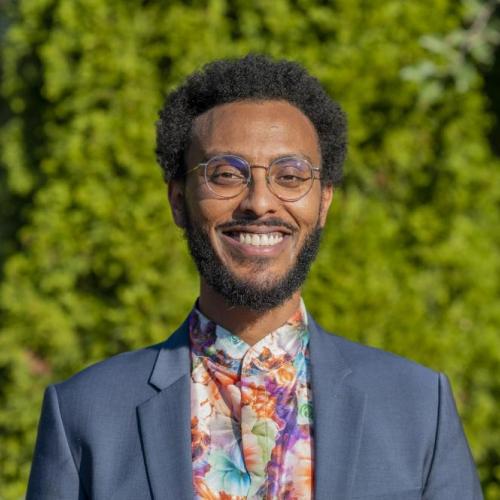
x=258, y=199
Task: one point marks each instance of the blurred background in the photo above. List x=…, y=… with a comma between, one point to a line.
x=91, y=264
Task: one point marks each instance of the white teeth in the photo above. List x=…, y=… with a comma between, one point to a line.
x=258, y=240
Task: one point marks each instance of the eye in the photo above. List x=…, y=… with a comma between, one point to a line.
x=223, y=173
x=290, y=173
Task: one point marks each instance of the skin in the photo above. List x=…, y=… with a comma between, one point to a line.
x=259, y=132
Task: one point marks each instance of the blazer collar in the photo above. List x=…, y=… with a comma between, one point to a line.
x=173, y=361
x=165, y=419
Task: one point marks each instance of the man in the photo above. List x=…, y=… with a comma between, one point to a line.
x=250, y=398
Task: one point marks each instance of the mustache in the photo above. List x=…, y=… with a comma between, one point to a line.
x=275, y=222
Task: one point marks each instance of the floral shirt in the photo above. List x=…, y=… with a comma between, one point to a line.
x=251, y=412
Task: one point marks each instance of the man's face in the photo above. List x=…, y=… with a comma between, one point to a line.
x=251, y=270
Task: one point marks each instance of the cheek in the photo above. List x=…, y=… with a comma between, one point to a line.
x=209, y=212
x=306, y=211
x=201, y=208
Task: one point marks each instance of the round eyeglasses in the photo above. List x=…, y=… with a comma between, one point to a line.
x=289, y=178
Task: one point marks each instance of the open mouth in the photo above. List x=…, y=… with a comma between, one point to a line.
x=262, y=236
x=256, y=239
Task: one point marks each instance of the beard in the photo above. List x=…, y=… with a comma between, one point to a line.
x=237, y=292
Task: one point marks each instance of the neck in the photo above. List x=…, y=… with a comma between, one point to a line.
x=249, y=325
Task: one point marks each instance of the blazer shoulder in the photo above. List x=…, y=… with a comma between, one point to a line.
x=379, y=371
x=366, y=357
x=127, y=369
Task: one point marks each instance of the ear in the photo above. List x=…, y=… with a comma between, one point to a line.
x=326, y=200
x=177, y=199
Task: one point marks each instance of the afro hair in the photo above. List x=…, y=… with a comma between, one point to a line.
x=253, y=77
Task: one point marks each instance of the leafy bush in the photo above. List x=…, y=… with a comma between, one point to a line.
x=91, y=264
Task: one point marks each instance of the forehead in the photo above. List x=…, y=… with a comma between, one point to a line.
x=257, y=130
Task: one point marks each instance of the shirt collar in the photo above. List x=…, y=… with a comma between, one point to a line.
x=213, y=341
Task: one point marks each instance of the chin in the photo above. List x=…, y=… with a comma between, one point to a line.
x=258, y=273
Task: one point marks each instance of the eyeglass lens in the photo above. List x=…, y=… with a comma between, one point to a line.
x=289, y=178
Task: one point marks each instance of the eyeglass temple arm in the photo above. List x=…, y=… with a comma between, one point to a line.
x=194, y=168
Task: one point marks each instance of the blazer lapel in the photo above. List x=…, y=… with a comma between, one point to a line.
x=338, y=418
x=165, y=422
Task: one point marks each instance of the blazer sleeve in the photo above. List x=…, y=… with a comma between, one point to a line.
x=452, y=474
x=54, y=475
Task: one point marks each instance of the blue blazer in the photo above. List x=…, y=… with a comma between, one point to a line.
x=385, y=428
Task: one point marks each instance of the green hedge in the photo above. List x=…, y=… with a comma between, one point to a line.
x=91, y=264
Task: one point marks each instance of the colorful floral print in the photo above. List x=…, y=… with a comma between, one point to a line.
x=251, y=412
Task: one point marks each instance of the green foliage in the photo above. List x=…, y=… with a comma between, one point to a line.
x=91, y=264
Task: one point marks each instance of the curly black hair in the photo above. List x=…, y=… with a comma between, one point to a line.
x=253, y=77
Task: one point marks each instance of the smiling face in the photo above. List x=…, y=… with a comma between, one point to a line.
x=255, y=240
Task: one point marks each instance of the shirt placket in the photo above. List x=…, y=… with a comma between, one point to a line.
x=254, y=431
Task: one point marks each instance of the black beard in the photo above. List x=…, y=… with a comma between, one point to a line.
x=240, y=293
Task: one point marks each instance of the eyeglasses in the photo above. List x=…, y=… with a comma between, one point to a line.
x=289, y=178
